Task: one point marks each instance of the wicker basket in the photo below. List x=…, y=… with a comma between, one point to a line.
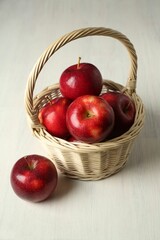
x=80, y=160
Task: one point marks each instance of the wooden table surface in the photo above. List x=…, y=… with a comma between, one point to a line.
x=125, y=206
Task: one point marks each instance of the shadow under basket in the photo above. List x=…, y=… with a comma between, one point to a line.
x=81, y=160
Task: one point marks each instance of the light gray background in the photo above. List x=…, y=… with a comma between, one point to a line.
x=124, y=206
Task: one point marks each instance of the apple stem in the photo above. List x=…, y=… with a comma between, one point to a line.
x=78, y=65
x=31, y=165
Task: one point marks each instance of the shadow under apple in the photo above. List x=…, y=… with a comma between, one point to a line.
x=64, y=187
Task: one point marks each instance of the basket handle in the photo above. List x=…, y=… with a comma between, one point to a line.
x=84, y=32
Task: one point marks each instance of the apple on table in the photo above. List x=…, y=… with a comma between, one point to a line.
x=34, y=178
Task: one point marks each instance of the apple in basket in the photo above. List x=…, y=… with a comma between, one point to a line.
x=34, y=178
x=90, y=119
x=124, y=110
x=53, y=117
x=80, y=79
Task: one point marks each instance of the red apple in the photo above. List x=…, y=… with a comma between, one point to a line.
x=90, y=119
x=80, y=79
x=53, y=117
x=34, y=178
x=124, y=110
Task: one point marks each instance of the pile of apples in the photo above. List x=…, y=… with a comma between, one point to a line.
x=82, y=113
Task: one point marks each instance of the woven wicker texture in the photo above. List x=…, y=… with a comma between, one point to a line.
x=80, y=160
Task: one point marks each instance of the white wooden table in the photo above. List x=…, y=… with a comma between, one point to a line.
x=124, y=206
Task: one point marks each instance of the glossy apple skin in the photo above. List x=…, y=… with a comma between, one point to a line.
x=90, y=119
x=83, y=80
x=53, y=117
x=34, y=178
x=124, y=110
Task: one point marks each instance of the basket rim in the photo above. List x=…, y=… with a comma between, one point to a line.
x=40, y=132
